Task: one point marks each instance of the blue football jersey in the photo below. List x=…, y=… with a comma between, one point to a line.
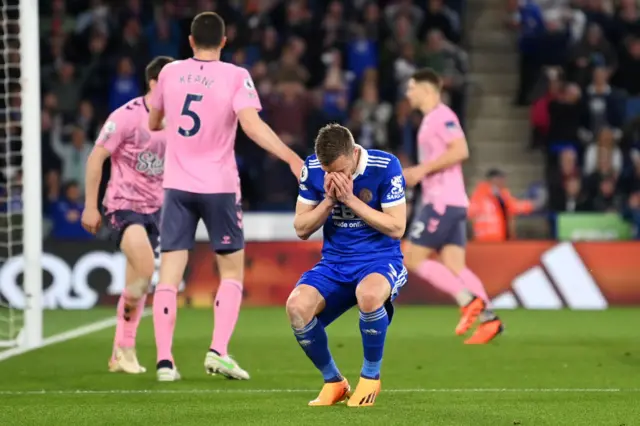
x=379, y=183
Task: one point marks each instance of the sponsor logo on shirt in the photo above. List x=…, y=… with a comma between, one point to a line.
x=150, y=164
x=397, y=190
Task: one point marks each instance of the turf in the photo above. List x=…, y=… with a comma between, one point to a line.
x=550, y=368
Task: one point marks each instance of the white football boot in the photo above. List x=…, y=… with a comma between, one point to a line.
x=224, y=365
x=126, y=361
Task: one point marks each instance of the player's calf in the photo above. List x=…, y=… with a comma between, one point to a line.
x=371, y=294
x=139, y=270
x=302, y=306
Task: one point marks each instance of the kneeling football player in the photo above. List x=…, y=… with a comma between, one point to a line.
x=357, y=196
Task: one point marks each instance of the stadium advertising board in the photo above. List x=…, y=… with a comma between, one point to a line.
x=534, y=275
x=593, y=227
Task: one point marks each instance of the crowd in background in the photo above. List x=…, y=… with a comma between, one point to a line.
x=312, y=61
x=579, y=71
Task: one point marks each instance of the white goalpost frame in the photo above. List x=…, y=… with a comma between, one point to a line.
x=32, y=172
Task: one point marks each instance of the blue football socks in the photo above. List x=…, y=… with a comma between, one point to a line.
x=373, y=326
x=313, y=341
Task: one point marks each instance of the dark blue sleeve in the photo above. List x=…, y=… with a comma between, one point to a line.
x=392, y=188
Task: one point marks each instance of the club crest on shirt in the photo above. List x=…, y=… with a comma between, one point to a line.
x=304, y=174
x=365, y=195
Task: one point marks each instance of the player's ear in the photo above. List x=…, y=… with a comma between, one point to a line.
x=223, y=43
x=152, y=84
x=191, y=42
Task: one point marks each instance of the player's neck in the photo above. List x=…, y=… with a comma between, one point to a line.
x=147, y=99
x=426, y=109
x=206, y=55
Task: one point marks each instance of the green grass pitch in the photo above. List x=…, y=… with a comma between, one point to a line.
x=550, y=368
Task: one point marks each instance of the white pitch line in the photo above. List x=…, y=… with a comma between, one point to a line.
x=67, y=335
x=268, y=391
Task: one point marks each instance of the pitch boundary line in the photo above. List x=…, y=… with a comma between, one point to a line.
x=65, y=336
x=275, y=391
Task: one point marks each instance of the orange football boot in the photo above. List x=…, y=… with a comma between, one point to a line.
x=332, y=393
x=485, y=332
x=470, y=314
x=365, y=393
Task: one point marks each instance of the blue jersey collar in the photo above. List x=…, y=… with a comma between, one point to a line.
x=362, y=163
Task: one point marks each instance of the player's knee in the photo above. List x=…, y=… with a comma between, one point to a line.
x=300, y=309
x=137, y=288
x=370, y=299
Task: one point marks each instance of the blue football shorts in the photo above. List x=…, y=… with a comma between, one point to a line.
x=337, y=283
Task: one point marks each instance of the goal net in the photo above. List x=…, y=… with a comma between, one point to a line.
x=20, y=173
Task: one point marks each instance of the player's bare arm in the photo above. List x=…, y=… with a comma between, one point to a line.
x=457, y=152
x=156, y=116
x=391, y=221
x=260, y=132
x=309, y=218
x=91, y=217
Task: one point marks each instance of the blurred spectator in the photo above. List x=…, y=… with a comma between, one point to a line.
x=68, y=88
x=605, y=146
x=403, y=129
x=492, y=209
x=287, y=110
x=362, y=53
x=558, y=177
x=373, y=26
x=627, y=74
x=593, y=51
x=11, y=201
x=554, y=43
x=565, y=114
x=164, y=37
x=632, y=212
x=125, y=85
x=65, y=213
x=441, y=18
x=289, y=66
x=604, y=171
x=74, y=155
x=627, y=21
x=572, y=198
x=86, y=119
x=540, y=115
x=371, y=118
x=409, y=11
x=96, y=87
x=602, y=105
x=134, y=45
x=606, y=200
x=334, y=96
x=531, y=25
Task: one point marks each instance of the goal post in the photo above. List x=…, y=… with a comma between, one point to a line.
x=32, y=171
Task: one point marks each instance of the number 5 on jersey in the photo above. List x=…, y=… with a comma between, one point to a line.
x=187, y=133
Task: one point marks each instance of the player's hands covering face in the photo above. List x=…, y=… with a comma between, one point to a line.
x=342, y=185
x=329, y=187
